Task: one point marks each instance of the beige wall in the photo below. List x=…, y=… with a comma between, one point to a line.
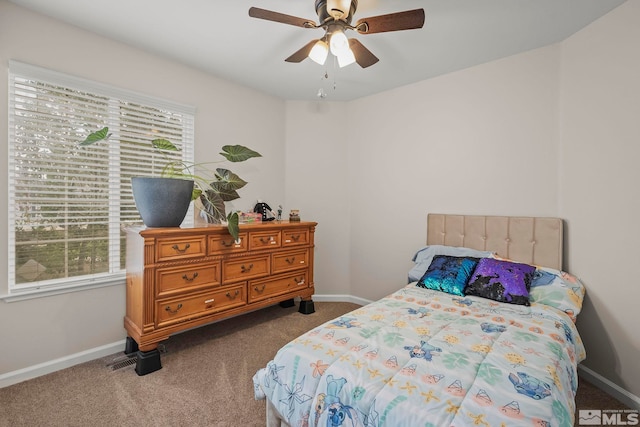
x=317, y=184
x=40, y=330
x=599, y=195
x=480, y=140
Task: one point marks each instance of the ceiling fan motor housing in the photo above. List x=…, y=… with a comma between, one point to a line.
x=324, y=14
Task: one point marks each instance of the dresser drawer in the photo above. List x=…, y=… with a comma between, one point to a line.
x=290, y=260
x=273, y=286
x=235, y=270
x=223, y=244
x=173, y=280
x=295, y=237
x=190, y=307
x=264, y=239
x=179, y=248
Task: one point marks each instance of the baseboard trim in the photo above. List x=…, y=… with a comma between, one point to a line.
x=609, y=387
x=341, y=298
x=15, y=377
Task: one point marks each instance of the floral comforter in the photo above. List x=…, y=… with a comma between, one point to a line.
x=424, y=358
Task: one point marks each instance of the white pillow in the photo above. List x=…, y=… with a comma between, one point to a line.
x=424, y=256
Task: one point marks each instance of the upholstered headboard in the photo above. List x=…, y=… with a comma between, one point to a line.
x=532, y=240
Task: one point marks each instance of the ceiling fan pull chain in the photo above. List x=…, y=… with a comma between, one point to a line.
x=322, y=94
x=335, y=68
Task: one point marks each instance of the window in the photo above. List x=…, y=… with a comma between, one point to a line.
x=68, y=204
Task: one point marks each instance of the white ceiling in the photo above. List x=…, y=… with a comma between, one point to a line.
x=219, y=37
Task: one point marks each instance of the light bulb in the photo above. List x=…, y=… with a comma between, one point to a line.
x=346, y=58
x=319, y=52
x=338, y=42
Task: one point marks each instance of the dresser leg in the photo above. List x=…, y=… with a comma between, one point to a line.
x=148, y=362
x=130, y=346
x=306, y=307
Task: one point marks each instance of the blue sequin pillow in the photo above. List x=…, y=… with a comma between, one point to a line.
x=448, y=274
x=502, y=281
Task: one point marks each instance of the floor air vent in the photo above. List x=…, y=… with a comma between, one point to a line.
x=122, y=362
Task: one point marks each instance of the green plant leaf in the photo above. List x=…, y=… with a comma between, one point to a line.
x=233, y=224
x=164, y=144
x=238, y=153
x=229, y=180
x=99, y=135
x=225, y=193
x=196, y=193
x=213, y=206
x=232, y=195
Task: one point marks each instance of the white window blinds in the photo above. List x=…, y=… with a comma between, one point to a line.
x=68, y=204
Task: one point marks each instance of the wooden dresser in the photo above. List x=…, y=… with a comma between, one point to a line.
x=180, y=278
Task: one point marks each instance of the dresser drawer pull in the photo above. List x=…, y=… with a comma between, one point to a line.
x=245, y=269
x=231, y=243
x=259, y=290
x=300, y=281
x=295, y=238
x=190, y=279
x=168, y=309
x=290, y=260
x=270, y=240
x=235, y=294
x=209, y=301
x=177, y=248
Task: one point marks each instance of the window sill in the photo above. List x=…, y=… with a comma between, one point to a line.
x=28, y=294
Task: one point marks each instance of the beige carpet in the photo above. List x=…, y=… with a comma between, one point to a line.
x=205, y=379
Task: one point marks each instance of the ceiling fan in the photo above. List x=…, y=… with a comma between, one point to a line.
x=335, y=18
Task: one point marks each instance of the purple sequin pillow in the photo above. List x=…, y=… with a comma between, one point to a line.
x=502, y=281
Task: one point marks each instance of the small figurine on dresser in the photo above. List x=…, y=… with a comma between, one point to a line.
x=294, y=215
x=279, y=212
x=265, y=210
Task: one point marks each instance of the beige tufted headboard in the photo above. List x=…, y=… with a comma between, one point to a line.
x=532, y=240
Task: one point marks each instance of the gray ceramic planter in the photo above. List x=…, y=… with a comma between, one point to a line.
x=162, y=202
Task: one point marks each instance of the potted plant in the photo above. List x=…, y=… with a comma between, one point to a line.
x=212, y=188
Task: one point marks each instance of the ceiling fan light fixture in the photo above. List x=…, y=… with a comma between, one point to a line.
x=319, y=52
x=346, y=58
x=335, y=17
x=338, y=9
x=338, y=42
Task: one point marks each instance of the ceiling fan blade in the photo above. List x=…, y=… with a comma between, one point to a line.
x=364, y=57
x=303, y=53
x=407, y=20
x=269, y=15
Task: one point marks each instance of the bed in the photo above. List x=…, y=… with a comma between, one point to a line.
x=456, y=346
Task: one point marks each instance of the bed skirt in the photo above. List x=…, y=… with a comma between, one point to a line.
x=274, y=419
